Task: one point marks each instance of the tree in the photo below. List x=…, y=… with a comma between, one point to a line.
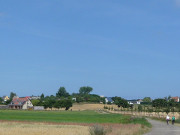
x=120, y=102
x=58, y=104
x=147, y=99
x=85, y=90
x=159, y=103
x=140, y=108
x=42, y=96
x=64, y=103
x=67, y=103
x=49, y=103
x=1, y=100
x=35, y=102
x=12, y=95
x=62, y=92
x=172, y=105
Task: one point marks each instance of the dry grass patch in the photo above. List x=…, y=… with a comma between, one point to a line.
x=88, y=106
x=42, y=129
x=17, y=128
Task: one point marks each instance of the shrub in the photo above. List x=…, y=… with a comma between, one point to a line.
x=178, y=121
x=97, y=130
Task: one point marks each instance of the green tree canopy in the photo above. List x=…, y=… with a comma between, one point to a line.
x=1, y=100
x=147, y=99
x=159, y=103
x=140, y=108
x=120, y=102
x=64, y=103
x=62, y=92
x=85, y=90
x=35, y=102
x=42, y=96
x=12, y=95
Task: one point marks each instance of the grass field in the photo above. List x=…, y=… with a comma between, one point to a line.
x=68, y=116
x=67, y=122
x=62, y=116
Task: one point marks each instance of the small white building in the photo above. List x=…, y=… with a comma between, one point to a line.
x=132, y=102
x=108, y=99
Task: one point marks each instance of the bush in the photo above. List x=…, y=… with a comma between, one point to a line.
x=97, y=130
x=177, y=121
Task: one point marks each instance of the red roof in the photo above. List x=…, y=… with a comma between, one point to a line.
x=19, y=101
x=175, y=98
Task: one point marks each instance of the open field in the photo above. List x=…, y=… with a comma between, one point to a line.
x=62, y=116
x=87, y=106
x=67, y=122
x=16, y=128
x=69, y=117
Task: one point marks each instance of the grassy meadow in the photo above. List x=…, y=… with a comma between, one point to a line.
x=68, y=122
x=68, y=117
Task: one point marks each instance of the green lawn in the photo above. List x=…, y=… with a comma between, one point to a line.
x=67, y=116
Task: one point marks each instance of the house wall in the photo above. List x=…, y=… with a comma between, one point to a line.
x=27, y=104
x=6, y=98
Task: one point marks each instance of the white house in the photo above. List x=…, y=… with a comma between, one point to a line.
x=108, y=99
x=132, y=102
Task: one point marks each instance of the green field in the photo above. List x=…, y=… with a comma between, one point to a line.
x=68, y=116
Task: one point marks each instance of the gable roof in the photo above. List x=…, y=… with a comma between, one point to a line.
x=19, y=101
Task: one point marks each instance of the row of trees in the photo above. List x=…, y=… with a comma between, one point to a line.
x=82, y=96
x=52, y=101
x=64, y=99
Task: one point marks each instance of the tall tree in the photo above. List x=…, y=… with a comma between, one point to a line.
x=42, y=96
x=62, y=92
x=159, y=103
x=120, y=102
x=1, y=100
x=147, y=99
x=12, y=95
x=85, y=90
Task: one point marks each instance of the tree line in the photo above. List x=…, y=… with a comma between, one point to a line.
x=63, y=99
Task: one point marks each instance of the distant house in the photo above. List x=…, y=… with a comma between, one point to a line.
x=35, y=97
x=20, y=103
x=134, y=101
x=176, y=99
x=5, y=98
x=109, y=99
x=74, y=99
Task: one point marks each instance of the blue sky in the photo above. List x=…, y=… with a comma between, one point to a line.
x=124, y=48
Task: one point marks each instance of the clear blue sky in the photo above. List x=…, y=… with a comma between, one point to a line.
x=127, y=48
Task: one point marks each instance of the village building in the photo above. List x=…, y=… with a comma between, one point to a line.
x=176, y=99
x=109, y=100
x=134, y=101
x=20, y=103
x=5, y=98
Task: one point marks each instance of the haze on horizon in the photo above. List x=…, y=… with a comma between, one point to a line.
x=120, y=48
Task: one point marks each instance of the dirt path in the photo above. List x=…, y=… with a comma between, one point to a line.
x=161, y=128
